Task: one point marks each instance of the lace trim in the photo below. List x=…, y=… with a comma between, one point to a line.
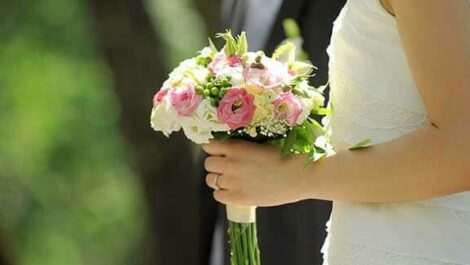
x=342, y=252
x=356, y=105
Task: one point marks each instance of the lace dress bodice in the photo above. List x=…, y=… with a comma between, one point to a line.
x=373, y=95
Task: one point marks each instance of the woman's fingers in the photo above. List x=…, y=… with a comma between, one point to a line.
x=226, y=197
x=218, y=181
x=216, y=164
x=228, y=147
x=212, y=180
x=215, y=148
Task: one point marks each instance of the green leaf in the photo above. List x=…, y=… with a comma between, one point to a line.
x=322, y=111
x=212, y=45
x=320, y=150
x=291, y=28
x=296, y=91
x=316, y=127
x=362, y=144
x=242, y=44
x=289, y=143
x=230, y=47
x=285, y=52
x=310, y=135
x=316, y=154
x=310, y=158
x=302, y=68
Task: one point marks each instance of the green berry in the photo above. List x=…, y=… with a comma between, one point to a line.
x=222, y=93
x=214, y=91
x=213, y=102
x=200, y=89
x=225, y=83
x=206, y=92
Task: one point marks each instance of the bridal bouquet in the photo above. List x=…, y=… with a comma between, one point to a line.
x=233, y=93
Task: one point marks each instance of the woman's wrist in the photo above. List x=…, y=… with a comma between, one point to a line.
x=312, y=177
x=304, y=180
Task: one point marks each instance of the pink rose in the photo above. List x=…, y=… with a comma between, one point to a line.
x=261, y=78
x=220, y=62
x=217, y=63
x=160, y=95
x=185, y=100
x=236, y=108
x=234, y=61
x=288, y=107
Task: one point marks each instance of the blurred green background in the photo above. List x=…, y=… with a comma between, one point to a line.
x=69, y=190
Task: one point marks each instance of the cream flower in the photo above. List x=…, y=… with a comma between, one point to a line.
x=199, y=126
x=164, y=118
x=206, y=52
x=235, y=74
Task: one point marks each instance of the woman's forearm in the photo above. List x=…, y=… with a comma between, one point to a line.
x=421, y=165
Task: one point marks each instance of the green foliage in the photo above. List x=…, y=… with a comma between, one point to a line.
x=212, y=45
x=292, y=31
x=302, y=139
x=67, y=191
x=234, y=46
x=291, y=28
x=285, y=52
x=299, y=140
x=362, y=144
x=242, y=44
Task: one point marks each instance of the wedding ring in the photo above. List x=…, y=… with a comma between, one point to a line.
x=216, y=186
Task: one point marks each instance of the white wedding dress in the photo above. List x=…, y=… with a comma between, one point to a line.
x=373, y=95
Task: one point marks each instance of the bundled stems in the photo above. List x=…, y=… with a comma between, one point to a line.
x=243, y=244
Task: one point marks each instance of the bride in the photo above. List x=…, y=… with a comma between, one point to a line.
x=399, y=75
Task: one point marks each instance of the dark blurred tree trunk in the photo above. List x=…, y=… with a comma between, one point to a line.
x=165, y=166
x=5, y=252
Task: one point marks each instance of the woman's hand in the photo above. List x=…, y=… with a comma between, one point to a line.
x=253, y=174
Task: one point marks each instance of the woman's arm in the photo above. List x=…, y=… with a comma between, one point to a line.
x=433, y=161
x=430, y=162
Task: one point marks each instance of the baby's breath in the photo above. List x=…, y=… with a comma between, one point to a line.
x=270, y=127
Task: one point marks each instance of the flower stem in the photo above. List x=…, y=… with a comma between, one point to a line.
x=243, y=244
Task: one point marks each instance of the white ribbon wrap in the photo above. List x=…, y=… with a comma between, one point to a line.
x=241, y=214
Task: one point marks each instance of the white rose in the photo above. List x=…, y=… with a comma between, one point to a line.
x=316, y=98
x=313, y=102
x=278, y=70
x=306, y=109
x=164, y=118
x=201, y=75
x=206, y=52
x=235, y=73
x=199, y=127
x=188, y=73
x=207, y=113
x=167, y=83
x=195, y=130
x=187, y=64
x=304, y=86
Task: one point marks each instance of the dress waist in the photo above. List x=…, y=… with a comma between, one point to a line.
x=438, y=229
